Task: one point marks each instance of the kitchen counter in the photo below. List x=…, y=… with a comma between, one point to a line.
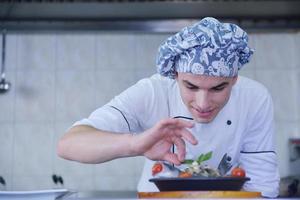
x=105, y=195
x=100, y=195
x=165, y=199
x=129, y=195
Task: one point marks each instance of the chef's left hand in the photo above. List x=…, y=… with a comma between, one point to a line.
x=156, y=142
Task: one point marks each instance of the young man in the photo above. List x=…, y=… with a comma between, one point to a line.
x=197, y=103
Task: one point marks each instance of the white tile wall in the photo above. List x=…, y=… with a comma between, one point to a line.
x=143, y=73
x=106, y=87
x=32, y=149
x=31, y=182
x=36, y=51
x=75, y=51
x=6, y=147
x=283, y=88
x=75, y=94
x=11, y=52
x=116, y=51
x=6, y=152
x=275, y=51
x=60, y=78
x=35, y=91
x=78, y=182
x=248, y=73
x=146, y=50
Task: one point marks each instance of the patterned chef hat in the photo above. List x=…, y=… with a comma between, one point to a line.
x=208, y=47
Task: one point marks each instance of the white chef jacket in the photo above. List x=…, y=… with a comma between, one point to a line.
x=243, y=128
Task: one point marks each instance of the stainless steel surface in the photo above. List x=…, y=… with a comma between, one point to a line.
x=158, y=26
x=131, y=14
x=148, y=9
x=106, y=195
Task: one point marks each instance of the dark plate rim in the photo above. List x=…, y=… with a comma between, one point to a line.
x=200, y=179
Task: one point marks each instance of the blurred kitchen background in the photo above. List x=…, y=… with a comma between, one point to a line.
x=66, y=58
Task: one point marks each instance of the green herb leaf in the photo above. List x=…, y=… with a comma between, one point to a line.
x=204, y=157
x=188, y=161
x=207, y=156
x=200, y=158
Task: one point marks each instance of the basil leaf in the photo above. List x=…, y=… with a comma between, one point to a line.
x=200, y=158
x=204, y=157
x=207, y=156
x=188, y=161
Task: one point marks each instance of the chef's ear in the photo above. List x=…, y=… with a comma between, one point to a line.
x=176, y=76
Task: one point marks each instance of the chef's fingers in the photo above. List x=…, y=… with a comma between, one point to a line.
x=172, y=158
x=187, y=135
x=180, y=145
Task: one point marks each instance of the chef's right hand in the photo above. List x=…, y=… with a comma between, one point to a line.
x=156, y=143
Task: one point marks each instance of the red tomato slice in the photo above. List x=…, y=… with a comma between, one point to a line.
x=185, y=175
x=157, y=167
x=238, y=172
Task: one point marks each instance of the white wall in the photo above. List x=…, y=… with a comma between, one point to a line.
x=60, y=78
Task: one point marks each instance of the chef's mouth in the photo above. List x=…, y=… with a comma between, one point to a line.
x=204, y=114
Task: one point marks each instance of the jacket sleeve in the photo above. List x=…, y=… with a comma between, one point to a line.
x=258, y=156
x=130, y=110
x=119, y=115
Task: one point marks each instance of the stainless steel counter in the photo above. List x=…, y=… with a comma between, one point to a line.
x=104, y=195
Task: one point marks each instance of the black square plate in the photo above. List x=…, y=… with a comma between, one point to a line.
x=200, y=183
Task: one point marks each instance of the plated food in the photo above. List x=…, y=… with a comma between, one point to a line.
x=197, y=176
x=194, y=168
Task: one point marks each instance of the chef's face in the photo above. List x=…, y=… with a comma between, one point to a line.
x=204, y=96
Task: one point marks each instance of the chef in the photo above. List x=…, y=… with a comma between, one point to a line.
x=196, y=103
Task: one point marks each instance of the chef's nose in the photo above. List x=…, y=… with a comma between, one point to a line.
x=202, y=99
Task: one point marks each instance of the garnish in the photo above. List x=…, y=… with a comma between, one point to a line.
x=200, y=159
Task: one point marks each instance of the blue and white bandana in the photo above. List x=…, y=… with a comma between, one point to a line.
x=205, y=48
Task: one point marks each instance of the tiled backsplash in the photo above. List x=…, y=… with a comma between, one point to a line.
x=60, y=78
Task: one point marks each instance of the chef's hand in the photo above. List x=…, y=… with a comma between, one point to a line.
x=156, y=143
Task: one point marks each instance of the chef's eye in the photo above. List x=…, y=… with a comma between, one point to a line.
x=218, y=89
x=190, y=87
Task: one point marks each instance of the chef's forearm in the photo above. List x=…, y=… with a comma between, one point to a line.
x=89, y=145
